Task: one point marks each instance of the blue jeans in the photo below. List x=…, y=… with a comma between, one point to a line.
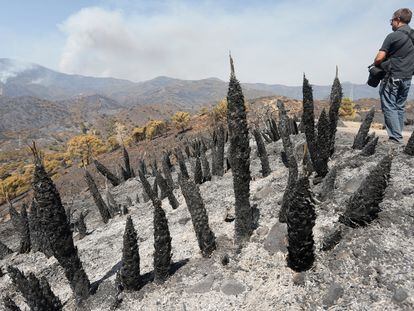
x=393, y=94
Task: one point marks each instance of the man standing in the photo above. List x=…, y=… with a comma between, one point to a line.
x=396, y=56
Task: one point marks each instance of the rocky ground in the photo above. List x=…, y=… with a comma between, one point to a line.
x=370, y=269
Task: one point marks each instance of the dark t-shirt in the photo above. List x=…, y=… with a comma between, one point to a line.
x=400, y=51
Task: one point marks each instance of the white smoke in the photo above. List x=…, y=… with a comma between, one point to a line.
x=10, y=68
x=273, y=42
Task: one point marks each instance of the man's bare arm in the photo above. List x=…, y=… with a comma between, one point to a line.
x=381, y=56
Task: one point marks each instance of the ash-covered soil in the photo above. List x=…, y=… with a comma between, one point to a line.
x=370, y=269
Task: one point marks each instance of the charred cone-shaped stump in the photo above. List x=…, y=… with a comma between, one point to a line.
x=370, y=147
x=240, y=158
x=205, y=166
x=107, y=173
x=102, y=208
x=328, y=185
x=262, y=153
x=56, y=229
x=363, y=206
x=361, y=136
x=81, y=225
x=335, y=104
x=166, y=169
x=323, y=143
x=130, y=271
x=205, y=237
x=166, y=191
x=37, y=294
x=409, y=148
x=308, y=120
x=162, y=244
x=218, y=150
x=198, y=172
x=111, y=204
x=292, y=164
x=127, y=172
x=4, y=250
x=25, y=231
x=300, y=221
x=181, y=163
x=9, y=304
x=38, y=239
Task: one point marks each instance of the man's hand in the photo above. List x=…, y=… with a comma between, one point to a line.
x=381, y=56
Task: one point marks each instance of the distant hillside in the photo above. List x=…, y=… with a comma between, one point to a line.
x=25, y=79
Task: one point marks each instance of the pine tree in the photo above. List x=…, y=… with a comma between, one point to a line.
x=130, y=271
x=56, y=229
x=409, y=148
x=9, y=304
x=335, y=104
x=107, y=173
x=240, y=158
x=262, y=153
x=363, y=206
x=99, y=202
x=4, y=250
x=360, y=138
x=370, y=147
x=37, y=294
x=25, y=231
x=301, y=220
x=205, y=237
x=293, y=166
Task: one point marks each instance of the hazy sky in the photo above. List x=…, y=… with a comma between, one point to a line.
x=271, y=41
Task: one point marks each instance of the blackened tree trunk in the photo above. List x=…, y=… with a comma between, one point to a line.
x=363, y=206
x=111, y=204
x=166, y=191
x=300, y=221
x=166, y=169
x=37, y=294
x=103, y=209
x=370, y=147
x=81, y=225
x=335, y=104
x=38, y=239
x=292, y=164
x=409, y=148
x=308, y=120
x=162, y=238
x=4, y=250
x=181, y=163
x=198, y=173
x=129, y=172
x=219, y=149
x=323, y=143
x=9, y=304
x=240, y=158
x=361, y=136
x=205, y=166
x=262, y=153
x=328, y=185
x=205, y=237
x=54, y=223
x=25, y=231
x=130, y=271
x=155, y=185
x=107, y=173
